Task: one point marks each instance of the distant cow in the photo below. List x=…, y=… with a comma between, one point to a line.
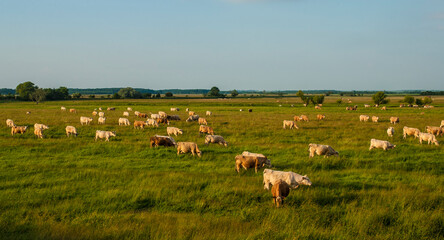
x=94, y=113
x=442, y=123
x=124, y=122
x=101, y=120
x=366, y=105
x=384, y=108
x=174, y=130
x=63, y=108
x=140, y=124
x=174, y=109
x=319, y=149
x=394, y=120
x=126, y=114
x=280, y=191
x=72, y=110
x=375, y=119
x=38, y=132
x=104, y=134
x=215, y=139
x=162, y=114
x=142, y=115
x=136, y=113
x=363, y=118
x=152, y=122
x=430, y=138
x=390, y=131
x=317, y=107
x=192, y=118
x=202, y=121
x=271, y=177
x=155, y=116
x=161, y=141
x=410, y=132
x=304, y=118
x=70, y=130
x=208, y=113
x=191, y=113
x=163, y=120
x=251, y=162
x=374, y=143
x=320, y=116
x=42, y=126
x=129, y=109
x=85, y=120
x=290, y=124
x=184, y=147
x=206, y=129
x=18, y=129
x=297, y=118
x=101, y=114
x=10, y=123
x=111, y=109
x=434, y=130
x=173, y=117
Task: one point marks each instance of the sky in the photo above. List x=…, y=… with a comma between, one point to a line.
x=231, y=44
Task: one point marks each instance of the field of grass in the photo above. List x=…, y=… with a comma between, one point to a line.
x=76, y=188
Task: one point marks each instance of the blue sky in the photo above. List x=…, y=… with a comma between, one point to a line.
x=232, y=44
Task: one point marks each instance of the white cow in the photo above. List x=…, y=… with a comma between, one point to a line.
x=101, y=114
x=63, y=108
x=271, y=177
x=104, y=134
x=10, y=123
x=101, y=120
x=374, y=143
x=208, y=113
x=174, y=130
x=126, y=114
x=430, y=138
x=41, y=126
x=319, y=149
x=129, y=109
x=155, y=116
x=390, y=131
x=363, y=118
x=71, y=130
x=289, y=123
x=215, y=139
x=124, y=122
x=85, y=120
x=152, y=122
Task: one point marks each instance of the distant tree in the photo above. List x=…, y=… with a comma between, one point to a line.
x=92, y=96
x=379, y=98
x=341, y=94
x=234, y=93
x=115, y=96
x=214, y=92
x=427, y=100
x=300, y=94
x=60, y=93
x=129, y=93
x=168, y=94
x=146, y=95
x=158, y=95
x=25, y=89
x=418, y=101
x=317, y=99
x=38, y=95
x=409, y=99
x=306, y=99
x=76, y=95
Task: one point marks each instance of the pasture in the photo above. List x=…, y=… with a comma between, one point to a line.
x=77, y=188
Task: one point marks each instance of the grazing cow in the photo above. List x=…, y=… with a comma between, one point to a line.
x=163, y=120
x=173, y=117
x=152, y=122
x=187, y=109
x=394, y=120
x=169, y=137
x=142, y=115
x=375, y=119
x=101, y=120
x=374, y=143
x=410, y=131
x=442, y=123
x=271, y=177
x=297, y=118
x=319, y=149
x=280, y=191
x=72, y=110
x=10, y=123
x=104, y=134
x=208, y=113
x=28, y=112
x=161, y=141
x=366, y=105
x=246, y=153
x=85, y=120
x=317, y=107
x=100, y=109
x=63, y=108
x=430, y=138
x=191, y=113
x=363, y=118
x=38, y=132
x=18, y=129
x=111, y=109
x=42, y=126
x=101, y=114
x=192, y=118
x=140, y=124
x=304, y=118
x=94, y=113
x=415, y=106
x=251, y=161
x=71, y=130
x=126, y=114
x=162, y=114
x=206, y=129
x=124, y=122
x=434, y=130
x=174, y=109
x=155, y=116
x=289, y=123
x=215, y=139
x=390, y=131
x=202, y=121
x=136, y=113
x=129, y=109
x=184, y=147
x=174, y=130
x=320, y=116
x=384, y=108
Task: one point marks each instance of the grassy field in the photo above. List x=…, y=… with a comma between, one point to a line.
x=76, y=188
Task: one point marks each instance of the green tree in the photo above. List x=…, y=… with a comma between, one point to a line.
x=76, y=95
x=409, y=99
x=214, y=92
x=38, y=95
x=300, y=94
x=25, y=89
x=115, y=96
x=317, y=99
x=306, y=99
x=234, y=93
x=146, y=95
x=158, y=95
x=418, y=101
x=427, y=100
x=129, y=93
x=92, y=96
x=168, y=94
x=380, y=98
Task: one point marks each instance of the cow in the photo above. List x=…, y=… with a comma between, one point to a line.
x=126, y=114
x=63, y=108
x=174, y=109
x=124, y=122
x=319, y=149
x=208, y=113
x=215, y=139
x=169, y=137
x=104, y=134
x=18, y=129
x=317, y=107
x=28, y=113
x=375, y=119
x=71, y=130
x=136, y=113
x=430, y=138
x=142, y=115
x=390, y=131
x=161, y=141
x=184, y=147
x=38, y=132
x=366, y=105
x=173, y=117
x=94, y=113
x=320, y=116
x=271, y=177
x=280, y=191
x=174, y=130
x=101, y=120
x=152, y=122
x=191, y=113
x=410, y=131
x=251, y=161
x=394, y=120
x=163, y=120
x=297, y=118
x=10, y=123
x=101, y=114
x=162, y=114
x=129, y=109
x=289, y=123
x=72, y=110
x=192, y=118
x=155, y=116
x=304, y=118
x=202, y=121
x=42, y=126
x=363, y=118
x=434, y=130
x=85, y=120
x=246, y=153
x=100, y=109
x=442, y=124
x=187, y=109
x=111, y=109
x=140, y=124
x=384, y=108
x=374, y=143
x=206, y=129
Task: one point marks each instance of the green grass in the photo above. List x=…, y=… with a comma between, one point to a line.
x=76, y=188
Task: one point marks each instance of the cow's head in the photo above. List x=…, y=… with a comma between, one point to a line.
x=113, y=133
x=306, y=180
